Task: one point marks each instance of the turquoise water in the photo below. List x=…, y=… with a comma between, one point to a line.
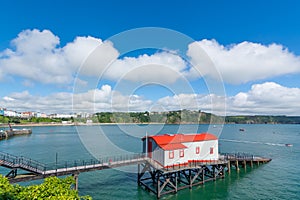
x=278, y=179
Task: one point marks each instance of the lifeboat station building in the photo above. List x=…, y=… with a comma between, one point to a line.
x=181, y=149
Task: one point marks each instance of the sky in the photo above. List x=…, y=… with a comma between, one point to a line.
x=225, y=57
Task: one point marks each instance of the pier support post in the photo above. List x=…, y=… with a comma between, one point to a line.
x=176, y=189
x=139, y=174
x=76, y=181
x=214, y=173
x=237, y=165
x=229, y=166
x=245, y=165
x=223, y=171
x=190, y=179
x=158, y=187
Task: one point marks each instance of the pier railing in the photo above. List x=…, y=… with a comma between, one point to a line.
x=107, y=161
x=223, y=159
x=21, y=162
x=66, y=167
x=12, y=161
x=237, y=156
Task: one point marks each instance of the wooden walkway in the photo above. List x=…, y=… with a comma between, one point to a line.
x=37, y=170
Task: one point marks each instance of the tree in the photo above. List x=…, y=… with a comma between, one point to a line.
x=52, y=188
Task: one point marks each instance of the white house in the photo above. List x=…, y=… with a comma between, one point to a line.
x=10, y=113
x=181, y=149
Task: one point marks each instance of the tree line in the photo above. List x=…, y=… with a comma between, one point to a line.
x=167, y=117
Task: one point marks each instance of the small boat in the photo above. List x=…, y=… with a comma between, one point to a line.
x=241, y=129
x=288, y=145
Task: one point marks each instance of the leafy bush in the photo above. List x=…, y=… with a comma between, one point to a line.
x=52, y=188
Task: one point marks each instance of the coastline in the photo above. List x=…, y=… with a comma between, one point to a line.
x=96, y=124
x=70, y=124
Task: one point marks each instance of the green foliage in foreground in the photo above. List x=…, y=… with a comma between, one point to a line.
x=52, y=188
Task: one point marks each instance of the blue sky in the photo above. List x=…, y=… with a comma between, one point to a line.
x=254, y=45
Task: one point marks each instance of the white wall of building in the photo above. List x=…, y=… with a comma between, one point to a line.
x=10, y=113
x=176, y=160
x=190, y=153
x=204, y=150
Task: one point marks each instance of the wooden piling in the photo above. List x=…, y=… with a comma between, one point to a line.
x=76, y=181
x=237, y=165
x=229, y=166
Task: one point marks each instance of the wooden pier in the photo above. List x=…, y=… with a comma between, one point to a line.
x=162, y=181
x=152, y=176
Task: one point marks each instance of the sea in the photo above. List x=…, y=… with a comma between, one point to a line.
x=278, y=179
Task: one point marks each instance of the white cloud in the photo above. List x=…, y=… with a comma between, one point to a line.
x=208, y=103
x=161, y=67
x=243, y=62
x=103, y=99
x=8, y=98
x=267, y=98
x=36, y=56
x=263, y=99
x=92, y=57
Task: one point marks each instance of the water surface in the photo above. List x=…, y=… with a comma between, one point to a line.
x=278, y=179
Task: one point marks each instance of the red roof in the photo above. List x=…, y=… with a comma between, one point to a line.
x=170, y=142
x=172, y=146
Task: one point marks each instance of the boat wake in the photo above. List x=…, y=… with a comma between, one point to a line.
x=253, y=142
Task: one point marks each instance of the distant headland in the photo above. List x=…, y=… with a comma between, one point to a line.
x=167, y=117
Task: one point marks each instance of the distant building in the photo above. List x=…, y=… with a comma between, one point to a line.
x=38, y=114
x=44, y=115
x=66, y=122
x=2, y=111
x=10, y=113
x=83, y=115
x=62, y=115
x=27, y=114
x=89, y=121
x=181, y=149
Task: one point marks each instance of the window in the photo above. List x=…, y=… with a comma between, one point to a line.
x=171, y=154
x=197, y=150
x=211, y=150
x=181, y=152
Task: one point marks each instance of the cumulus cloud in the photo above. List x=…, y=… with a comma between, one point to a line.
x=92, y=63
x=102, y=99
x=208, y=103
x=243, y=62
x=24, y=101
x=266, y=98
x=163, y=67
x=36, y=56
x=8, y=99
